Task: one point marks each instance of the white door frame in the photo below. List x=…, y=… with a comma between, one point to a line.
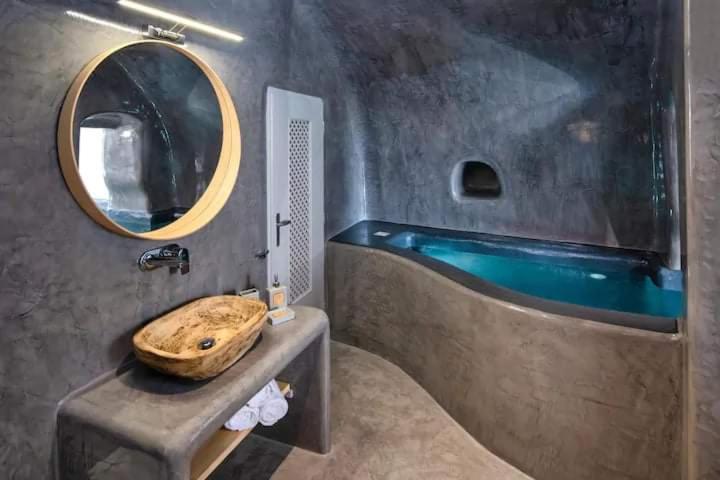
x=282, y=108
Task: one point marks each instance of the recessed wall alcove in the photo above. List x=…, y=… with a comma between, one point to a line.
x=475, y=180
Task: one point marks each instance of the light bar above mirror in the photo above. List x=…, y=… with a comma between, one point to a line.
x=180, y=20
x=102, y=22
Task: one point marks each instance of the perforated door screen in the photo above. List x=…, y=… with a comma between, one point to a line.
x=299, y=202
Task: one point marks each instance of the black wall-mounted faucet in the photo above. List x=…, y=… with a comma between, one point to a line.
x=173, y=256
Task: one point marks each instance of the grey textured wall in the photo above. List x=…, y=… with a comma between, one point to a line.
x=667, y=80
x=320, y=66
x=410, y=87
x=703, y=231
x=555, y=94
x=70, y=292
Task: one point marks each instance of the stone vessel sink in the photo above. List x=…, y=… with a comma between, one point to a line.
x=201, y=339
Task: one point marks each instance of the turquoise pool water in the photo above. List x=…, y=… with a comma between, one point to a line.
x=563, y=274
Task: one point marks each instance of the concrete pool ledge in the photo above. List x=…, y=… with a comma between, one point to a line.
x=378, y=235
x=557, y=396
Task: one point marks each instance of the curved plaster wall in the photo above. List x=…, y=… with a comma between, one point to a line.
x=560, y=398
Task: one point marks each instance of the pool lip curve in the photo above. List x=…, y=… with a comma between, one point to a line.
x=363, y=234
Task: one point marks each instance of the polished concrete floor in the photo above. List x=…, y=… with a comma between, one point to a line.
x=384, y=426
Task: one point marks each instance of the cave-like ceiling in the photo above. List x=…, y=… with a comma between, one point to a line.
x=387, y=38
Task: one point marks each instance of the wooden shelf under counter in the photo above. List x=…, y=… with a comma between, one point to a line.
x=219, y=446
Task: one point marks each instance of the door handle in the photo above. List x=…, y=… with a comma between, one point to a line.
x=278, y=225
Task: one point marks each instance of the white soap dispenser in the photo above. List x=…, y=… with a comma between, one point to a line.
x=277, y=301
x=277, y=295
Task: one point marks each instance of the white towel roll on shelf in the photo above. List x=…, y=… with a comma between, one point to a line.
x=245, y=419
x=273, y=410
x=268, y=406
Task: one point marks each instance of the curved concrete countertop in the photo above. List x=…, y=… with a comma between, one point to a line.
x=561, y=398
x=161, y=420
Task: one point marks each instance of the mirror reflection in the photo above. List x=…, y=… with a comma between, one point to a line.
x=148, y=133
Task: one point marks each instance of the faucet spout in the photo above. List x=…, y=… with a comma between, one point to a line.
x=172, y=256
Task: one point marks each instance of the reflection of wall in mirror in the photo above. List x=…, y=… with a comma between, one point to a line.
x=92, y=146
x=157, y=172
x=110, y=161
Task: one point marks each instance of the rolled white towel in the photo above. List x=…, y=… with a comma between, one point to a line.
x=248, y=416
x=275, y=406
x=273, y=389
x=245, y=419
x=263, y=395
x=273, y=410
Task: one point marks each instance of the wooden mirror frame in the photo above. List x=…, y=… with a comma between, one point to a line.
x=210, y=202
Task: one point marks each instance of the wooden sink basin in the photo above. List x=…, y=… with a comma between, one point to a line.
x=201, y=339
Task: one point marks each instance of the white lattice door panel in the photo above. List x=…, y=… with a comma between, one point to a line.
x=296, y=226
x=300, y=258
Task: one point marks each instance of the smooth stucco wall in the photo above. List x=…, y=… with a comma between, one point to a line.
x=71, y=294
x=556, y=95
x=703, y=245
x=558, y=397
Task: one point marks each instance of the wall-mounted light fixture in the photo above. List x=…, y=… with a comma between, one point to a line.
x=149, y=32
x=180, y=20
x=160, y=34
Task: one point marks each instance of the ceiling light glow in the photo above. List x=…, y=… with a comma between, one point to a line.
x=180, y=20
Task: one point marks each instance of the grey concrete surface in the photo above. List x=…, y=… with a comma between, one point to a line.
x=703, y=235
x=558, y=96
x=385, y=426
x=410, y=88
x=668, y=79
x=71, y=295
x=363, y=234
x=168, y=419
x=319, y=65
x=560, y=398
x=71, y=292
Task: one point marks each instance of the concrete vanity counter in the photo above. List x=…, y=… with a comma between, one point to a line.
x=156, y=423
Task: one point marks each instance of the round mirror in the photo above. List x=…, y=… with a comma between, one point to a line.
x=149, y=141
